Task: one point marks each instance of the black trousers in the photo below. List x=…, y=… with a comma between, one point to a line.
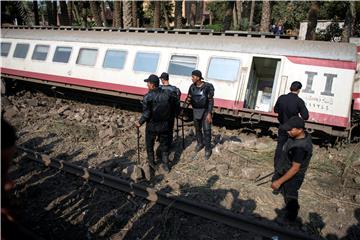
x=171, y=131
x=162, y=133
x=281, y=140
x=203, y=132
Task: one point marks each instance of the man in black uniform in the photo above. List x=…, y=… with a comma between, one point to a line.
x=164, y=77
x=287, y=106
x=158, y=107
x=294, y=161
x=201, y=98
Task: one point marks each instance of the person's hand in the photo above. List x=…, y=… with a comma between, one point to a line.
x=209, y=118
x=275, y=185
x=137, y=124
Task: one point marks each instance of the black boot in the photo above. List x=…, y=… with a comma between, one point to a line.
x=165, y=161
x=208, y=154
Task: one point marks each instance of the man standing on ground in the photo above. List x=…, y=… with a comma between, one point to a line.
x=288, y=106
x=158, y=107
x=164, y=77
x=293, y=163
x=201, y=98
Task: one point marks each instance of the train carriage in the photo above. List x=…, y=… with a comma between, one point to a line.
x=249, y=74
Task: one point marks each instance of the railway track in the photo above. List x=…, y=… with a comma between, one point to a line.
x=260, y=229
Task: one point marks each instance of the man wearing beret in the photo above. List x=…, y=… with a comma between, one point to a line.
x=201, y=98
x=292, y=165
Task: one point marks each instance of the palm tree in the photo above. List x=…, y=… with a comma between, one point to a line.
x=134, y=14
x=178, y=14
x=95, y=11
x=157, y=14
x=36, y=13
x=127, y=16
x=265, y=16
x=251, y=15
x=117, y=14
x=312, y=20
x=64, y=17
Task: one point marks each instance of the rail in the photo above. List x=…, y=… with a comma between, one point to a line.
x=219, y=215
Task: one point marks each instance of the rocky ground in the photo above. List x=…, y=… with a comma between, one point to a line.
x=102, y=137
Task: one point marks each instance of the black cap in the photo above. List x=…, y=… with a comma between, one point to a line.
x=164, y=76
x=153, y=79
x=293, y=122
x=295, y=86
x=197, y=73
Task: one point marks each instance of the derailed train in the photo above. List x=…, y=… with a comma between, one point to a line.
x=248, y=73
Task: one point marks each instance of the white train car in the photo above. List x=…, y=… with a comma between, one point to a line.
x=248, y=74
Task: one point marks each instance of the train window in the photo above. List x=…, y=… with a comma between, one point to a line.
x=182, y=65
x=62, y=54
x=223, y=69
x=21, y=50
x=40, y=52
x=5, y=48
x=114, y=59
x=87, y=57
x=146, y=62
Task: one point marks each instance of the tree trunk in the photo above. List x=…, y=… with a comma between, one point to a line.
x=157, y=14
x=55, y=12
x=251, y=15
x=36, y=13
x=167, y=21
x=239, y=8
x=127, y=14
x=192, y=13
x=95, y=11
x=103, y=14
x=187, y=12
x=49, y=12
x=76, y=12
x=347, y=28
x=134, y=14
x=70, y=12
x=228, y=15
x=312, y=20
x=235, y=17
x=64, y=17
x=178, y=14
x=265, y=16
x=117, y=14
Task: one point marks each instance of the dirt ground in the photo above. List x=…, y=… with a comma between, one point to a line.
x=102, y=137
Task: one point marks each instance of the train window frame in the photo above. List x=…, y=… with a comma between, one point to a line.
x=10, y=43
x=223, y=80
x=86, y=65
x=157, y=65
x=56, y=48
x=27, y=51
x=119, y=50
x=182, y=55
x=47, y=53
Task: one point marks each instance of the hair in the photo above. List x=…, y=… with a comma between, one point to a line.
x=8, y=135
x=295, y=86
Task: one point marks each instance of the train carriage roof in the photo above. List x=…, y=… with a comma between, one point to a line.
x=310, y=49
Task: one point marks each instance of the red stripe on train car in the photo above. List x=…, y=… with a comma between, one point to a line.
x=356, y=104
x=224, y=103
x=358, y=49
x=356, y=95
x=322, y=62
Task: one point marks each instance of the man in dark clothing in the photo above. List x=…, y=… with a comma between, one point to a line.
x=294, y=161
x=287, y=106
x=158, y=108
x=201, y=98
x=164, y=77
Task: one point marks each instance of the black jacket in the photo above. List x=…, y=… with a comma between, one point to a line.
x=172, y=89
x=290, y=105
x=201, y=97
x=159, y=106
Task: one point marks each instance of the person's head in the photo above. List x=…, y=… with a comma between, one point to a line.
x=164, y=77
x=8, y=147
x=295, y=87
x=295, y=126
x=196, y=76
x=152, y=81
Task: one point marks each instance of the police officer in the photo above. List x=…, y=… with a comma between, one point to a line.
x=201, y=98
x=287, y=106
x=294, y=161
x=158, y=107
x=164, y=77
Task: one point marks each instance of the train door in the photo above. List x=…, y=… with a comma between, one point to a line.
x=261, y=87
